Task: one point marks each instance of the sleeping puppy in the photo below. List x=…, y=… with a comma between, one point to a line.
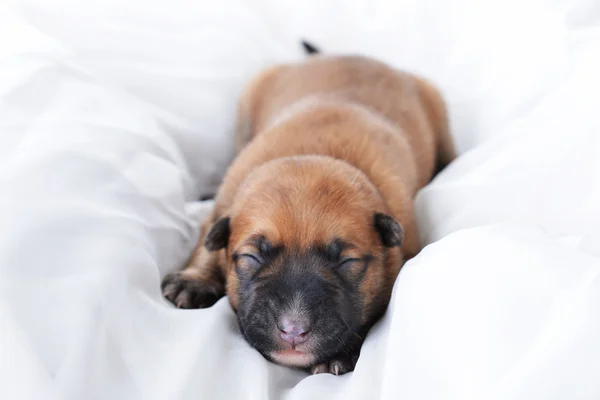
x=315, y=216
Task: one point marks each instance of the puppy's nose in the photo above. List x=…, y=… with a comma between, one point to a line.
x=294, y=332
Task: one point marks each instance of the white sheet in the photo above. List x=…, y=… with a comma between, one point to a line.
x=116, y=116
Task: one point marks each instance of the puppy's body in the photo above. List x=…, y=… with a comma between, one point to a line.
x=331, y=153
x=390, y=125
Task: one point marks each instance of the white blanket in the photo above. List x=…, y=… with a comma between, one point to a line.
x=116, y=116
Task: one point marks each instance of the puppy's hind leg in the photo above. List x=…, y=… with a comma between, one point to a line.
x=243, y=126
x=249, y=119
x=438, y=115
x=446, y=151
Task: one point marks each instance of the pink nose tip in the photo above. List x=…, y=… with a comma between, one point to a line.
x=294, y=332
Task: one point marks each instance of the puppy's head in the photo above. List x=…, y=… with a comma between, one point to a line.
x=312, y=258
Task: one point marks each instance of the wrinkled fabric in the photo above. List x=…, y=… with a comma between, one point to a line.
x=117, y=117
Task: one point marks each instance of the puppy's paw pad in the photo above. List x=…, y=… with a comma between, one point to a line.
x=185, y=292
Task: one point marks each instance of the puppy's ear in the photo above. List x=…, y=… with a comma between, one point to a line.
x=390, y=231
x=218, y=236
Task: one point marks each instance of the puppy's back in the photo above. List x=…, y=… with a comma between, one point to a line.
x=409, y=102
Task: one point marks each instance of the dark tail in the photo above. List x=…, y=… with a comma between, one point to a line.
x=309, y=48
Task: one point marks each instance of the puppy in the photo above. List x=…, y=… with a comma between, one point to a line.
x=315, y=216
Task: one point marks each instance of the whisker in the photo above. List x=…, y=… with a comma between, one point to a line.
x=344, y=347
x=349, y=329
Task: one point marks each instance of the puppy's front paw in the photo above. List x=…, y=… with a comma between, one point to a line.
x=338, y=366
x=187, y=292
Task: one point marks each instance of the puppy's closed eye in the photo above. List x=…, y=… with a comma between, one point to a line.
x=250, y=260
x=334, y=250
x=247, y=265
x=254, y=254
x=349, y=261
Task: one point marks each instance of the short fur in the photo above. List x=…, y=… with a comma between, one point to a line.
x=315, y=216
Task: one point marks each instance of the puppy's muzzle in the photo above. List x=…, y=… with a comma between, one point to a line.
x=294, y=331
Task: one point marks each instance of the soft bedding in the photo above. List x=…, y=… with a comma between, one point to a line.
x=117, y=117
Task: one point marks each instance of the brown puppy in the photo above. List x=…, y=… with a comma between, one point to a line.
x=315, y=216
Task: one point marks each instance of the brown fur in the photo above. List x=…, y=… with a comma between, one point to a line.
x=322, y=144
